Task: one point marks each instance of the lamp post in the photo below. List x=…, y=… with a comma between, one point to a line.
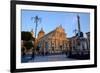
x=36, y=20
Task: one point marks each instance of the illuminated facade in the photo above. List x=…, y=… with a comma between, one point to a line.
x=53, y=42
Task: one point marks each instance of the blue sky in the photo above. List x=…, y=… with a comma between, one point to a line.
x=50, y=20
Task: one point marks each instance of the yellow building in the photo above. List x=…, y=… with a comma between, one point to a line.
x=53, y=42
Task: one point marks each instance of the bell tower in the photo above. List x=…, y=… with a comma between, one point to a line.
x=41, y=33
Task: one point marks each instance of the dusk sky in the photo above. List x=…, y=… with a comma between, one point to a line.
x=50, y=20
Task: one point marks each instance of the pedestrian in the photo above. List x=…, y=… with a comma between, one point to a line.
x=32, y=54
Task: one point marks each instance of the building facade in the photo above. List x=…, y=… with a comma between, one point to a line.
x=80, y=45
x=54, y=42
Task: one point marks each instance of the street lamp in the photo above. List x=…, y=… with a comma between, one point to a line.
x=36, y=20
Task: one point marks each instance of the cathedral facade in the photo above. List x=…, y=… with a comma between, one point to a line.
x=53, y=42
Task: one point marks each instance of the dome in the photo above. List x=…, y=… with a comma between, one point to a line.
x=41, y=31
x=60, y=28
x=32, y=32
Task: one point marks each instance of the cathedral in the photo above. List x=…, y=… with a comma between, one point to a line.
x=53, y=42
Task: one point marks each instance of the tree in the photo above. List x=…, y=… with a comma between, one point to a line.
x=26, y=36
x=28, y=45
